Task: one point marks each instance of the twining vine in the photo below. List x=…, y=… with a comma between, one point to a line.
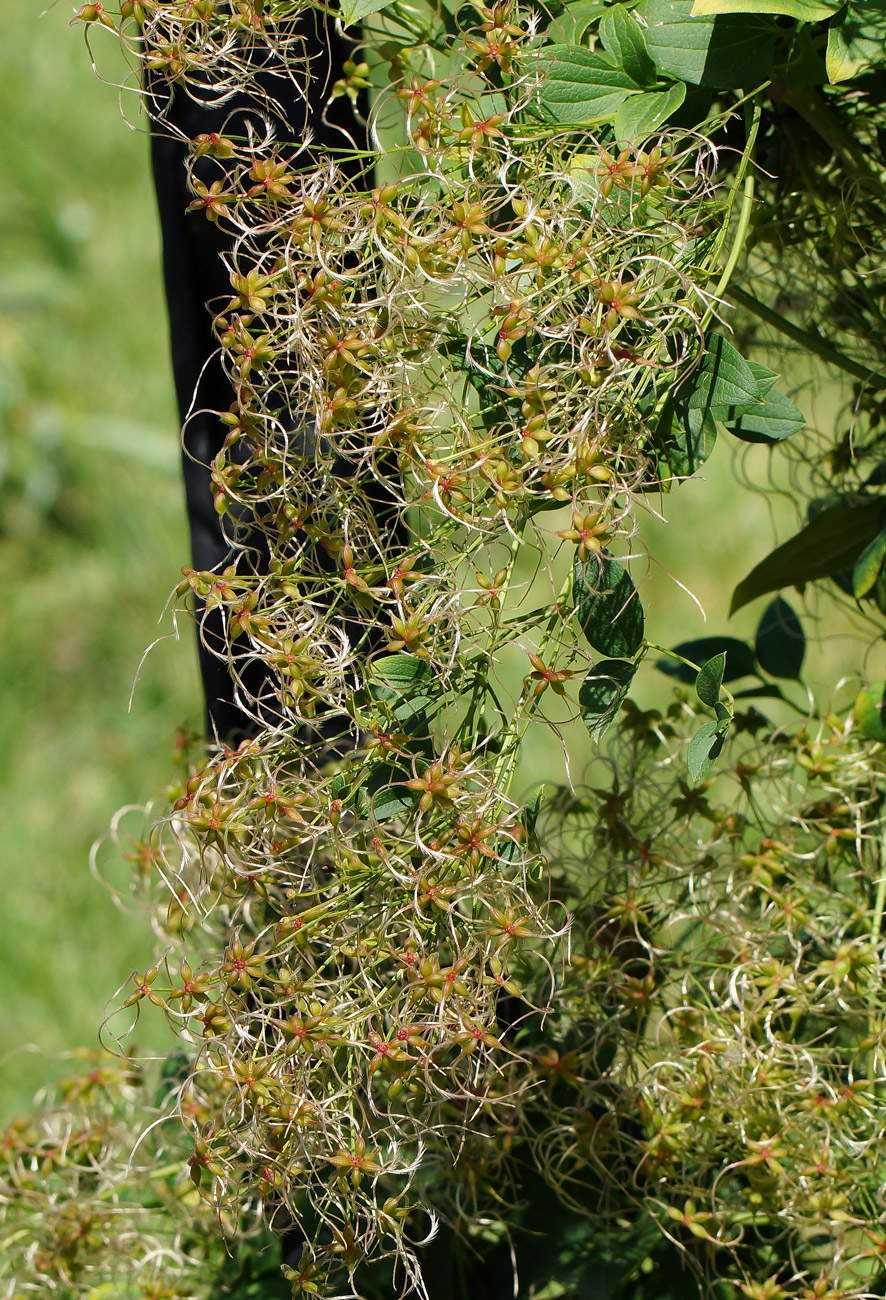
x=416, y=1008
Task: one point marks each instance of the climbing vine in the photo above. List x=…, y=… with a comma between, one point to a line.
x=622, y=1034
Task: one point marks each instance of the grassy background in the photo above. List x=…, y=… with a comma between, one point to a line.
x=92, y=537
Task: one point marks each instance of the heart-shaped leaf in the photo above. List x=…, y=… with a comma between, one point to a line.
x=607, y=605
x=780, y=643
x=831, y=541
x=739, y=658
x=724, y=53
x=602, y=692
x=704, y=747
x=710, y=679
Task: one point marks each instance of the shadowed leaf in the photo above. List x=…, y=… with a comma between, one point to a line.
x=710, y=679
x=704, y=748
x=869, y=566
x=602, y=692
x=725, y=52
x=781, y=643
x=608, y=606
x=740, y=660
x=830, y=542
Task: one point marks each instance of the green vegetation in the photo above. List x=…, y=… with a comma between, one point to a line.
x=92, y=535
x=444, y=1029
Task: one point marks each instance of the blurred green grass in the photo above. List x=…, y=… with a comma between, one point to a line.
x=92, y=535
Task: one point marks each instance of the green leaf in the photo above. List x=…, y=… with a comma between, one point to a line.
x=868, y=566
x=688, y=438
x=878, y=595
x=581, y=87
x=602, y=692
x=575, y=20
x=399, y=673
x=532, y=808
x=608, y=606
x=723, y=53
x=389, y=802
x=642, y=115
x=354, y=11
x=722, y=378
x=340, y=787
x=710, y=679
x=622, y=38
x=832, y=540
x=807, y=11
x=857, y=40
x=765, y=380
x=406, y=684
x=765, y=377
x=772, y=419
x=739, y=658
x=767, y=689
x=704, y=747
x=870, y=711
x=385, y=795
x=780, y=642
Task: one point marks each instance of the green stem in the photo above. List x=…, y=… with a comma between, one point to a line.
x=879, y=903
x=811, y=342
x=876, y=927
x=696, y=668
x=672, y=654
x=744, y=221
x=746, y=180
x=481, y=685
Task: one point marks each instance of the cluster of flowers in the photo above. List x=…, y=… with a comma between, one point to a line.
x=419, y=369
x=691, y=1068
x=397, y=990
x=89, y=1211
x=720, y=1026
